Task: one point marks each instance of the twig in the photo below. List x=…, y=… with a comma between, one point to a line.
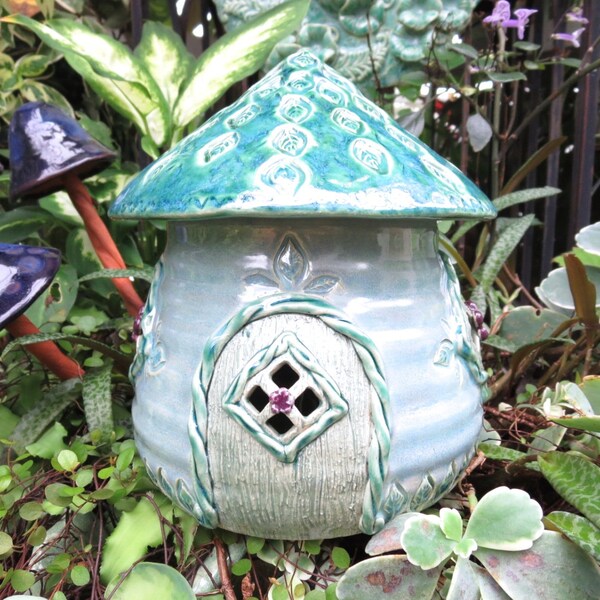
x=226, y=585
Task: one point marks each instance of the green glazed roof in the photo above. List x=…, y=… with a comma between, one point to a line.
x=302, y=142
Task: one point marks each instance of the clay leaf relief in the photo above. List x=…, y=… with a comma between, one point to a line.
x=292, y=272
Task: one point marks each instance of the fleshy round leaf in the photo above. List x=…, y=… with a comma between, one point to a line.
x=425, y=543
x=151, y=580
x=451, y=523
x=589, y=239
x=388, y=538
x=465, y=547
x=506, y=519
x=576, y=479
x=390, y=577
x=553, y=567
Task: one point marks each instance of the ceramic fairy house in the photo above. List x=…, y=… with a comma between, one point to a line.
x=307, y=367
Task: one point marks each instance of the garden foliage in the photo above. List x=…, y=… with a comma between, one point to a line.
x=79, y=518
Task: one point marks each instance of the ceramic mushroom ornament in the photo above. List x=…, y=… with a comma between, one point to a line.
x=307, y=367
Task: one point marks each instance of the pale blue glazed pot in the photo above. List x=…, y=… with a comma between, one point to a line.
x=306, y=368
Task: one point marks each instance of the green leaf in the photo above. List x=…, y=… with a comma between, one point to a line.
x=33, y=65
x=574, y=63
x=465, y=547
x=553, y=568
x=144, y=274
x=588, y=239
x=80, y=575
x=505, y=519
x=390, y=577
x=502, y=249
x=21, y=580
x=134, y=533
x=506, y=77
x=255, y=545
x=522, y=196
x=340, y=557
x=241, y=567
x=18, y=224
x=578, y=529
x=236, y=55
x=6, y=544
x=151, y=580
x=110, y=69
x=50, y=443
x=166, y=58
x=68, y=460
x=31, y=511
x=590, y=424
x=576, y=479
x=425, y=543
x=60, y=206
x=38, y=536
x=54, y=402
x=8, y=422
x=526, y=46
x=451, y=523
x=97, y=402
x=590, y=386
x=465, y=50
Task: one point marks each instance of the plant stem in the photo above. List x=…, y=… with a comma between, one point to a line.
x=495, y=178
x=226, y=585
x=47, y=353
x=102, y=241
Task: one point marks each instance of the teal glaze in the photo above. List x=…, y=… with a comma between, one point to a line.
x=390, y=37
x=303, y=228
x=301, y=142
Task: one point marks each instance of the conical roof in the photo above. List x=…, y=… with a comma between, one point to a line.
x=302, y=142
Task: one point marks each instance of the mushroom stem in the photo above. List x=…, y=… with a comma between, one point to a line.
x=46, y=352
x=102, y=241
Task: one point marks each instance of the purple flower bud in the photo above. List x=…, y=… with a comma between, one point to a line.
x=137, y=325
x=572, y=38
x=281, y=401
x=483, y=333
x=575, y=15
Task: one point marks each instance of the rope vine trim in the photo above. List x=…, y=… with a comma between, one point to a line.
x=373, y=515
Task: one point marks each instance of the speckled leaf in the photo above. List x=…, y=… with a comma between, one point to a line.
x=144, y=274
x=110, y=69
x=97, y=402
x=166, y=58
x=505, y=244
x=496, y=452
x=234, y=56
x=424, y=541
x=54, y=402
x=388, y=538
x=553, y=568
x=392, y=577
x=576, y=479
x=135, y=531
x=578, y=529
x=151, y=580
x=522, y=196
x=506, y=519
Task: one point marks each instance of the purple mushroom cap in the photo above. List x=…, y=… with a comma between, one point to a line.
x=25, y=272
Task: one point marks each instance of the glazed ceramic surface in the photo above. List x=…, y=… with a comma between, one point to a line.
x=356, y=37
x=25, y=272
x=306, y=367
x=46, y=143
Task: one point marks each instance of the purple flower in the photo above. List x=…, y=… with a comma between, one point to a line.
x=573, y=38
x=500, y=13
x=575, y=15
x=501, y=17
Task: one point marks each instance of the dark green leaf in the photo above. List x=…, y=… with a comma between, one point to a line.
x=506, y=77
x=19, y=223
x=21, y=580
x=589, y=424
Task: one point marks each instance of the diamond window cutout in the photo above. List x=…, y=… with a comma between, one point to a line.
x=284, y=398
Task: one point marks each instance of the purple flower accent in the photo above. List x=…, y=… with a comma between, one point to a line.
x=137, y=325
x=501, y=17
x=281, y=401
x=477, y=319
x=572, y=38
x=575, y=15
x=500, y=13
